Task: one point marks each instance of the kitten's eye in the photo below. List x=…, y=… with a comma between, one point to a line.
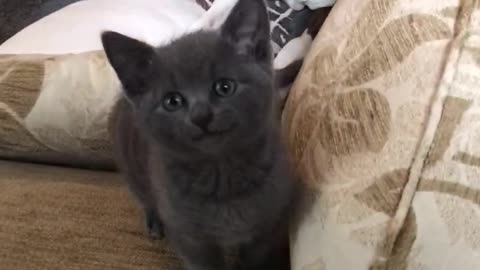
x=173, y=101
x=224, y=87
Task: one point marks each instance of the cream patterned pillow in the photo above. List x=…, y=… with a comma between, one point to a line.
x=55, y=109
x=384, y=126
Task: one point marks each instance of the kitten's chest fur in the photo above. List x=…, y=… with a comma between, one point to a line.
x=231, y=200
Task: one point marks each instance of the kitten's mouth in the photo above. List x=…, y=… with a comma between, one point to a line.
x=213, y=134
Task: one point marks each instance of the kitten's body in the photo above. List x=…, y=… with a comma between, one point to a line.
x=221, y=188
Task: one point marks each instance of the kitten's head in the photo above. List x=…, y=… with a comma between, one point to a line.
x=208, y=91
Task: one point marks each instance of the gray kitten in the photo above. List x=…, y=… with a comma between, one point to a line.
x=197, y=136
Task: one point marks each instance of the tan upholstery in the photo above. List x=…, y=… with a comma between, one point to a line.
x=66, y=219
x=384, y=125
x=55, y=108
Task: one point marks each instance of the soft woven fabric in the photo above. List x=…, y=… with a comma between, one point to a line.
x=77, y=27
x=383, y=123
x=64, y=219
x=312, y=4
x=55, y=109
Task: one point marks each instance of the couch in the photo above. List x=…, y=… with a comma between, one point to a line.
x=62, y=203
x=382, y=123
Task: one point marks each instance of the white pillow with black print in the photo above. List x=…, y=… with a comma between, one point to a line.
x=311, y=4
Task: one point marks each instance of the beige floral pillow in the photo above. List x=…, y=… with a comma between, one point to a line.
x=384, y=126
x=55, y=109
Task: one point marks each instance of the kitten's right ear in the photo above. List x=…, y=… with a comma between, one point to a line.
x=131, y=59
x=247, y=28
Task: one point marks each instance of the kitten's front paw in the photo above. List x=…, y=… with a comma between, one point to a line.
x=154, y=226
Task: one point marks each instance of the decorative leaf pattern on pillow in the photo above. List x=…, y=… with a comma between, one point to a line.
x=15, y=139
x=370, y=20
x=19, y=83
x=19, y=89
x=384, y=196
x=331, y=81
x=458, y=202
x=55, y=109
x=386, y=189
x=356, y=121
x=415, y=29
x=388, y=84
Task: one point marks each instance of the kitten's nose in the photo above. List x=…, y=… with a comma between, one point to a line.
x=201, y=115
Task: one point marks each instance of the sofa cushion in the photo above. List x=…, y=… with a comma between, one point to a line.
x=66, y=219
x=383, y=126
x=55, y=109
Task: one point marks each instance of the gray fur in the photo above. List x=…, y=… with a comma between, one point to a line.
x=213, y=173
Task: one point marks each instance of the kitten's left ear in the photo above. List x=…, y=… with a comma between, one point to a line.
x=131, y=59
x=248, y=29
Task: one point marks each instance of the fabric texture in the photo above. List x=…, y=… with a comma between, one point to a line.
x=76, y=28
x=65, y=219
x=383, y=127
x=55, y=109
x=311, y=4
